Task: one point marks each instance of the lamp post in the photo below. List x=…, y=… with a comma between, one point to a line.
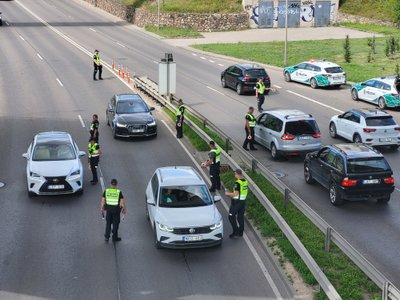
x=158, y=14
x=286, y=34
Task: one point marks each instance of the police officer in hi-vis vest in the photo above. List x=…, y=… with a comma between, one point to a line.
x=238, y=204
x=94, y=153
x=94, y=128
x=97, y=65
x=249, y=128
x=214, y=163
x=179, y=114
x=113, y=203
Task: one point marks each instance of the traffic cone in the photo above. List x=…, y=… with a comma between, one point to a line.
x=122, y=71
x=127, y=76
x=119, y=70
x=112, y=65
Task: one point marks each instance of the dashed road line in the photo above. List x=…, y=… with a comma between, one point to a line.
x=21, y=37
x=202, y=57
x=81, y=120
x=154, y=61
x=397, y=189
x=38, y=55
x=211, y=61
x=8, y=24
x=221, y=65
x=92, y=29
x=210, y=88
x=277, y=86
x=194, y=54
x=315, y=101
x=59, y=82
x=119, y=44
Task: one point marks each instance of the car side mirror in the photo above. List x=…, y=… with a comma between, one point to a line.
x=25, y=155
x=152, y=108
x=363, y=83
x=151, y=202
x=217, y=198
x=340, y=116
x=110, y=110
x=82, y=154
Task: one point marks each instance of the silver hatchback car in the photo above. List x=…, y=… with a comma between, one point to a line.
x=287, y=132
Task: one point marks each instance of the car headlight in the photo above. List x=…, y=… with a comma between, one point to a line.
x=119, y=124
x=216, y=226
x=33, y=174
x=165, y=228
x=77, y=172
x=151, y=122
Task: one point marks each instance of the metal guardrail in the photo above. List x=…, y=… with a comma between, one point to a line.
x=389, y=291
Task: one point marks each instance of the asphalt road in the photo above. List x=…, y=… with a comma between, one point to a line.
x=53, y=247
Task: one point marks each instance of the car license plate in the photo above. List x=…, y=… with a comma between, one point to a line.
x=137, y=130
x=304, y=137
x=192, y=238
x=56, y=187
x=336, y=77
x=371, y=181
x=385, y=140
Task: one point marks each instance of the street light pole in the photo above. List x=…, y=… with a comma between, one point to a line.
x=286, y=34
x=158, y=15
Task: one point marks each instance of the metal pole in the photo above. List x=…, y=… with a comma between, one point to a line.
x=286, y=34
x=158, y=15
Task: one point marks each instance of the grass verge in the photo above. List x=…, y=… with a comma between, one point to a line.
x=197, y=6
x=373, y=28
x=376, y=9
x=170, y=32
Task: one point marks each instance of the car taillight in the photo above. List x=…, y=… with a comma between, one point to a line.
x=349, y=182
x=316, y=135
x=389, y=180
x=327, y=75
x=369, y=130
x=287, y=137
x=246, y=78
x=395, y=95
x=397, y=128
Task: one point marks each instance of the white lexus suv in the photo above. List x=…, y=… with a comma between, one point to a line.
x=181, y=210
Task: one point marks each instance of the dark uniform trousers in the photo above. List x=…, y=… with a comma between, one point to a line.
x=247, y=140
x=113, y=217
x=94, y=162
x=95, y=136
x=97, y=68
x=260, y=101
x=214, y=177
x=236, y=215
x=179, y=129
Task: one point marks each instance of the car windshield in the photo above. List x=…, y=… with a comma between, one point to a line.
x=367, y=165
x=334, y=70
x=55, y=151
x=185, y=196
x=380, y=121
x=301, y=127
x=255, y=73
x=131, y=107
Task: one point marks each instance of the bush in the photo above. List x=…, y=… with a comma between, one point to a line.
x=347, y=50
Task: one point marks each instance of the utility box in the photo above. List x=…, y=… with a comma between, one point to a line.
x=167, y=75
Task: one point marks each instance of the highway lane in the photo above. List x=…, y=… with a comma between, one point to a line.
x=52, y=247
x=371, y=228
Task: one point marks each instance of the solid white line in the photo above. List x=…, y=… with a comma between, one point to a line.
x=59, y=82
x=20, y=36
x=7, y=23
x=215, y=90
x=92, y=29
x=194, y=54
x=220, y=65
x=245, y=237
x=101, y=178
x=397, y=190
x=277, y=86
x=211, y=61
x=81, y=120
x=202, y=57
x=154, y=61
x=315, y=101
x=39, y=56
x=118, y=43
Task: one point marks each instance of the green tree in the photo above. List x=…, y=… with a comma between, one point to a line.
x=396, y=12
x=347, y=49
x=397, y=70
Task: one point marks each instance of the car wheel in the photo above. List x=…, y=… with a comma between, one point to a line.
x=114, y=133
x=332, y=130
x=157, y=243
x=239, y=89
x=31, y=194
x=287, y=77
x=382, y=103
x=274, y=152
x=223, y=82
x=394, y=147
x=147, y=212
x=354, y=94
x=313, y=83
x=307, y=174
x=357, y=139
x=334, y=195
x=384, y=200
x=108, y=121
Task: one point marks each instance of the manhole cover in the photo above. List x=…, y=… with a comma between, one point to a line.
x=279, y=174
x=2, y=184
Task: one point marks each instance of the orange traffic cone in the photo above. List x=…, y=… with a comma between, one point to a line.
x=122, y=71
x=119, y=70
x=112, y=65
x=127, y=76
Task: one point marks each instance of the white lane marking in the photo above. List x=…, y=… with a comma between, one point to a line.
x=21, y=37
x=59, y=82
x=211, y=61
x=154, y=61
x=277, y=86
x=119, y=44
x=194, y=54
x=220, y=65
x=81, y=120
x=7, y=23
x=215, y=90
x=245, y=237
x=101, y=177
x=397, y=190
x=315, y=101
x=92, y=29
x=38, y=55
x=202, y=57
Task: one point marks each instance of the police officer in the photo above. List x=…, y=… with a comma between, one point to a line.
x=114, y=203
x=238, y=204
x=179, y=114
x=97, y=65
x=94, y=153
x=260, y=89
x=214, y=159
x=94, y=128
x=249, y=128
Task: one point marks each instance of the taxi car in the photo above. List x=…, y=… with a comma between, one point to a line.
x=383, y=91
x=316, y=73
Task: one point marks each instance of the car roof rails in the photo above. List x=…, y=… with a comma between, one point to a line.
x=292, y=116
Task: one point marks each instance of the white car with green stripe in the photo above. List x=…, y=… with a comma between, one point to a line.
x=383, y=91
x=316, y=73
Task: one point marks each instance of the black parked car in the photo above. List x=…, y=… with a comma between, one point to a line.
x=243, y=78
x=350, y=172
x=129, y=116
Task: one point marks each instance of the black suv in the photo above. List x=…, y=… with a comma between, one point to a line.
x=350, y=172
x=243, y=78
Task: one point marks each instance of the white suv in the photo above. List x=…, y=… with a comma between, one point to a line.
x=316, y=73
x=181, y=210
x=373, y=127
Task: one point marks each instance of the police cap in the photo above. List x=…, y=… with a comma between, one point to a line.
x=114, y=181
